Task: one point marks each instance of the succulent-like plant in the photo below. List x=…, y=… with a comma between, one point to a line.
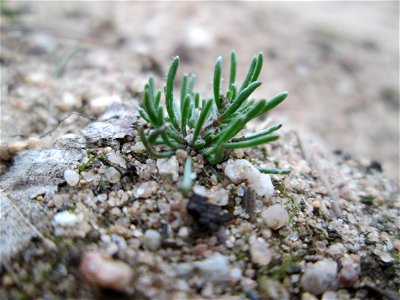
x=206, y=125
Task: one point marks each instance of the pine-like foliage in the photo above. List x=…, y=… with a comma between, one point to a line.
x=206, y=125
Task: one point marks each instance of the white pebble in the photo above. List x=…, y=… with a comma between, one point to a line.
x=103, y=271
x=240, y=170
x=152, y=239
x=320, y=277
x=275, y=216
x=71, y=177
x=116, y=159
x=183, y=232
x=65, y=218
x=260, y=253
x=168, y=167
x=218, y=197
x=138, y=148
x=113, y=175
x=214, y=269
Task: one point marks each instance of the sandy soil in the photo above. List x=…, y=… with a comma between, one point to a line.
x=338, y=60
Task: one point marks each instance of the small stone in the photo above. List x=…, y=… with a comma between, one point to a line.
x=138, y=148
x=181, y=155
x=116, y=159
x=71, y=177
x=113, y=175
x=65, y=218
x=308, y=296
x=168, y=167
x=214, y=269
x=329, y=295
x=152, y=239
x=69, y=102
x=260, y=253
x=350, y=272
x=183, y=232
x=218, y=197
x=99, y=269
x=240, y=170
x=275, y=216
x=200, y=250
x=235, y=276
x=320, y=277
x=100, y=104
x=145, y=189
x=272, y=289
x=396, y=245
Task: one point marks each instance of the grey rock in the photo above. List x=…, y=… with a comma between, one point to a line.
x=116, y=123
x=320, y=277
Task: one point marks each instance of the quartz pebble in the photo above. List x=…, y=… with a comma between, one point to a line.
x=168, y=167
x=113, y=175
x=71, y=177
x=101, y=270
x=218, y=197
x=275, y=216
x=320, y=277
x=116, y=159
x=214, y=269
x=240, y=170
x=152, y=239
x=65, y=218
x=260, y=253
x=138, y=148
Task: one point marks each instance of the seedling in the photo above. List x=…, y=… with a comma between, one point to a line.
x=207, y=126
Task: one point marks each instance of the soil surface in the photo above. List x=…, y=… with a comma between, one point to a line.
x=86, y=214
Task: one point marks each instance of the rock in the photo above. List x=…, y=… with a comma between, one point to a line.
x=116, y=159
x=183, y=232
x=116, y=123
x=275, y=216
x=168, y=167
x=145, y=189
x=329, y=295
x=218, y=197
x=214, y=269
x=69, y=102
x=241, y=170
x=100, y=104
x=65, y=218
x=260, y=253
x=71, y=177
x=320, y=277
x=350, y=272
x=308, y=296
x=152, y=239
x=113, y=175
x=272, y=289
x=138, y=148
x=99, y=269
x=208, y=216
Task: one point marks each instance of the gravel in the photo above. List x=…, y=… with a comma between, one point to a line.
x=320, y=277
x=71, y=177
x=275, y=216
x=99, y=269
x=242, y=170
x=152, y=240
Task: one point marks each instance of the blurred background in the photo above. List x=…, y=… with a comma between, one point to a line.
x=338, y=60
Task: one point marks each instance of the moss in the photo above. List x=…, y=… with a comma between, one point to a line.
x=93, y=157
x=292, y=203
x=281, y=271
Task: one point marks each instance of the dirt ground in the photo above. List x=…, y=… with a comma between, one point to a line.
x=338, y=60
